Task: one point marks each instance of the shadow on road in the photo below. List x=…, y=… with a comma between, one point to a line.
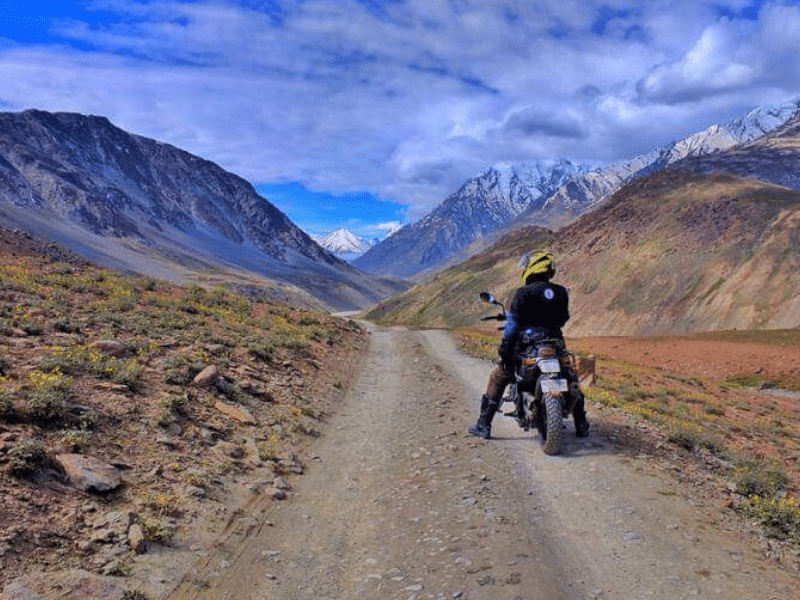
x=604, y=439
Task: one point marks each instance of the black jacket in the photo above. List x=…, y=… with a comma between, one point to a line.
x=539, y=304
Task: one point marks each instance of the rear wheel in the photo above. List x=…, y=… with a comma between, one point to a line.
x=553, y=422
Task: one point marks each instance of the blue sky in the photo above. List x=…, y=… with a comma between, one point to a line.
x=358, y=113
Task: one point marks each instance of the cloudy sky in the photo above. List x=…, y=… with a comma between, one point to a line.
x=360, y=112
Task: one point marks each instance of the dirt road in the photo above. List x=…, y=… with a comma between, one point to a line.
x=397, y=502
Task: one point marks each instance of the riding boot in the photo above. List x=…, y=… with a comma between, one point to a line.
x=519, y=413
x=579, y=416
x=483, y=428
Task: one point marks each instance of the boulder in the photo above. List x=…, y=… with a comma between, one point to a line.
x=207, y=376
x=109, y=347
x=136, y=539
x=276, y=493
x=88, y=473
x=586, y=369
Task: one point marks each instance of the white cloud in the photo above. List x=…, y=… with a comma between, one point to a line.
x=712, y=65
x=406, y=99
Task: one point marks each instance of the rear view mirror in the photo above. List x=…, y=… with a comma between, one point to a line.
x=487, y=297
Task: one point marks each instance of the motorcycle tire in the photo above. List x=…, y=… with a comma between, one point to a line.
x=554, y=424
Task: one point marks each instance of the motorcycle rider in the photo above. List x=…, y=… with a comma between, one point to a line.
x=541, y=304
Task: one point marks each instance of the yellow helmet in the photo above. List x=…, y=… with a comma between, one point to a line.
x=541, y=262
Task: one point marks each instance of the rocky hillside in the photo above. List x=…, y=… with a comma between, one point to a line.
x=482, y=206
x=134, y=413
x=774, y=158
x=677, y=251
x=551, y=194
x=141, y=205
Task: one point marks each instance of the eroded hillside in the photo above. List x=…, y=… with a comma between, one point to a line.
x=678, y=253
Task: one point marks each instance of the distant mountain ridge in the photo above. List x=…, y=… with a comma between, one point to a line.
x=551, y=194
x=343, y=242
x=139, y=204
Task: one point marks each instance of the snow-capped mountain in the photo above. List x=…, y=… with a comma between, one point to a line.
x=484, y=204
x=551, y=193
x=343, y=242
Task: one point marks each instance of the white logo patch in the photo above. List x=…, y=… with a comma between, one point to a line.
x=548, y=293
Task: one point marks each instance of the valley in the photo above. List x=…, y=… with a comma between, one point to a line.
x=191, y=420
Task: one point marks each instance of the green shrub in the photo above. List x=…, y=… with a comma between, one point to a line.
x=176, y=370
x=77, y=440
x=781, y=516
x=46, y=403
x=263, y=349
x=64, y=326
x=759, y=478
x=32, y=329
x=27, y=456
x=693, y=439
x=686, y=439
x=745, y=380
x=175, y=403
x=157, y=530
x=7, y=411
x=126, y=373
x=79, y=359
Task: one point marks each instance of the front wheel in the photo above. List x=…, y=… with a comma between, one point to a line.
x=553, y=422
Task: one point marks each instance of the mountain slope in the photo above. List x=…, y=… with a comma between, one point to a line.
x=692, y=247
x=680, y=252
x=135, y=203
x=548, y=194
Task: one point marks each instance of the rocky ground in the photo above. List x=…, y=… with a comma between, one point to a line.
x=735, y=394
x=135, y=415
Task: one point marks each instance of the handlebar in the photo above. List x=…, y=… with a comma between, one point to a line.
x=487, y=297
x=494, y=318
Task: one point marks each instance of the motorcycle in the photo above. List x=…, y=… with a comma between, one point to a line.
x=542, y=376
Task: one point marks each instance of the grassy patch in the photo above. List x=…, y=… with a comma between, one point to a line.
x=780, y=516
x=27, y=456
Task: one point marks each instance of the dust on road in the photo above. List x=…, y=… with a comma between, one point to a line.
x=398, y=502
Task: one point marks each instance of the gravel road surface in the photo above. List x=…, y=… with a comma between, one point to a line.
x=398, y=502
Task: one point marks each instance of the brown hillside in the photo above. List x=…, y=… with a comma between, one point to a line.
x=450, y=298
x=678, y=252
